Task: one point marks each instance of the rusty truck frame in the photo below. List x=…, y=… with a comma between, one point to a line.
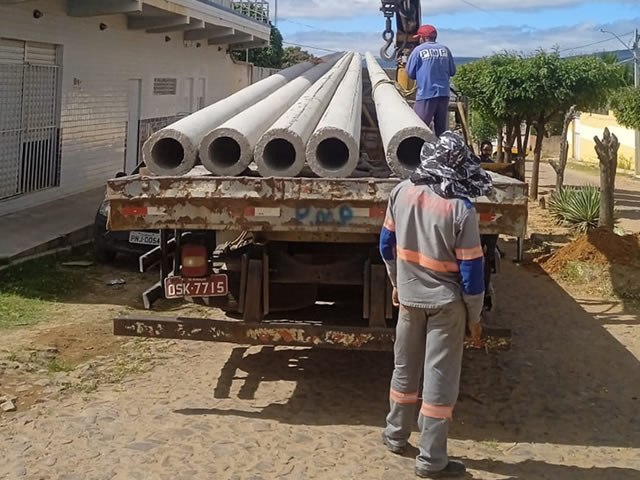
x=279, y=237
x=296, y=258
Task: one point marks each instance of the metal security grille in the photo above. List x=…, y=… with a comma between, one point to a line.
x=29, y=124
x=255, y=9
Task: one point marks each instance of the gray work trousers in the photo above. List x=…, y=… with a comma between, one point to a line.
x=433, y=340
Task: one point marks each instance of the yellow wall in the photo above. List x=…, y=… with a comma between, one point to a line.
x=592, y=124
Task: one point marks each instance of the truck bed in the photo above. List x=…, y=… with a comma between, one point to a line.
x=309, y=205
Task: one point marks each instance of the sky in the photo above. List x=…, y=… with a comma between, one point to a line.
x=471, y=28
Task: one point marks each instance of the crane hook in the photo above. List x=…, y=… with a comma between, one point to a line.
x=388, y=36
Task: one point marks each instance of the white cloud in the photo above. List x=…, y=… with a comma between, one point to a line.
x=469, y=42
x=332, y=9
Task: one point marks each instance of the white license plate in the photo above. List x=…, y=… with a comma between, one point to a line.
x=212, y=286
x=144, y=238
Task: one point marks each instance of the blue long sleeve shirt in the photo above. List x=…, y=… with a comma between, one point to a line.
x=432, y=66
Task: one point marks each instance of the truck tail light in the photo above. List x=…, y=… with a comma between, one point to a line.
x=194, y=261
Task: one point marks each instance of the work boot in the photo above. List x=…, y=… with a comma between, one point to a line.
x=452, y=470
x=393, y=448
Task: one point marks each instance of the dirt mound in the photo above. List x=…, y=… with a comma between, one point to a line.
x=598, y=246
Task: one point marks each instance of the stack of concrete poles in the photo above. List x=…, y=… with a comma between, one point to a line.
x=334, y=147
x=403, y=132
x=228, y=149
x=174, y=149
x=281, y=149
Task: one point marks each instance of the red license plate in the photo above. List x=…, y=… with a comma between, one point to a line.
x=180, y=287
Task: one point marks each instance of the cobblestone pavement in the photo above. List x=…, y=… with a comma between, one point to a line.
x=563, y=404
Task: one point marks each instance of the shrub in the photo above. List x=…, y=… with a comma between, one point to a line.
x=576, y=207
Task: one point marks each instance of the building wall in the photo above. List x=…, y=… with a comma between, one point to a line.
x=589, y=125
x=96, y=68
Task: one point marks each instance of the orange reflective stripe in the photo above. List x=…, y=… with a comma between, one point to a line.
x=436, y=411
x=424, y=261
x=389, y=224
x=400, y=397
x=417, y=197
x=469, y=253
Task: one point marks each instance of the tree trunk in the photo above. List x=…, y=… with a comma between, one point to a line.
x=537, y=154
x=527, y=134
x=500, y=145
x=561, y=166
x=607, y=151
x=518, y=135
x=509, y=143
x=535, y=168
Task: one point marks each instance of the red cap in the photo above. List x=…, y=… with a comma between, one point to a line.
x=426, y=31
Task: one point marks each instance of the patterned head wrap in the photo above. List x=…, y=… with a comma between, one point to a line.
x=451, y=170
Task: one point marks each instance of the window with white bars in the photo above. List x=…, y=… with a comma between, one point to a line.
x=30, y=123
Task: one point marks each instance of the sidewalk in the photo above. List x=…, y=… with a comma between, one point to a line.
x=627, y=191
x=53, y=225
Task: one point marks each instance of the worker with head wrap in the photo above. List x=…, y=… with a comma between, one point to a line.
x=430, y=244
x=431, y=65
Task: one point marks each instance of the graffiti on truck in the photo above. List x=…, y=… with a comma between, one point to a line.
x=341, y=215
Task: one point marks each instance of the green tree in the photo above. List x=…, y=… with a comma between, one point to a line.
x=515, y=91
x=589, y=83
x=481, y=128
x=295, y=55
x=626, y=106
x=268, y=57
x=612, y=58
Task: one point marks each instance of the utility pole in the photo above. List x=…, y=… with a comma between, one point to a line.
x=275, y=15
x=635, y=51
x=636, y=81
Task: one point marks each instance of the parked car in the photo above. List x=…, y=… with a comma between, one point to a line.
x=107, y=244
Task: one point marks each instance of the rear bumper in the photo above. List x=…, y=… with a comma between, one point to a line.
x=272, y=333
x=115, y=241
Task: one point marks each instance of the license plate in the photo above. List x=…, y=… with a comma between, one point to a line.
x=144, y=238
x=180, y=287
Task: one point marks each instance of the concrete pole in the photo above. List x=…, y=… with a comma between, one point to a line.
x=276, y=14
x=280, y=151
x=636, y=77
x=334, y=147
x=403, y=132
x=228, y=149
x=174, y=149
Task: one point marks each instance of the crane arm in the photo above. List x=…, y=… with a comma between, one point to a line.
x=408, y=15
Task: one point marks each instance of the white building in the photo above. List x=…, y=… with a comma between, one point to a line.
x=84, y=82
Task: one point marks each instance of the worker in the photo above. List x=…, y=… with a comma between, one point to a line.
x=430, y=244
x=431, y=65
x=486, y=152
x=489, y=242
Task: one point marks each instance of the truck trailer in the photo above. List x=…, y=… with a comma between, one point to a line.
x=281, y=260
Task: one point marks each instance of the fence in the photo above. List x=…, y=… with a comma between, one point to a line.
x=29, y=128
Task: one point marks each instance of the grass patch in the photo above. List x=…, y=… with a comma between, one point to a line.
x=17, y=311
x=620, y=282
x=86, y=387
x=28, y=289
x=581, y=272
x=56, y=365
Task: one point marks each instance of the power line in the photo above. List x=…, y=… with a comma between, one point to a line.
x=478, y=7
x=591, y=44
x=311, y=46
x=299, y=23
